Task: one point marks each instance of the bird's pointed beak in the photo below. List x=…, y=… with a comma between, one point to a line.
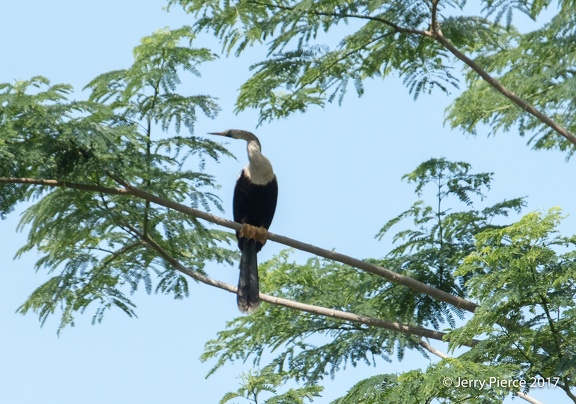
x=217, y=133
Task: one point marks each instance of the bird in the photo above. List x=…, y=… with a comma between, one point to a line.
x=254, y=205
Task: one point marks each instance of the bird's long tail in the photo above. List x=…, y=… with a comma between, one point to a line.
x=248, y=288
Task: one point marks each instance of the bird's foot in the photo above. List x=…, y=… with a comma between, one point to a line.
x=256, y=233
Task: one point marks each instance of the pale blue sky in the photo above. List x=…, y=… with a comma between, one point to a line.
x=339, y=172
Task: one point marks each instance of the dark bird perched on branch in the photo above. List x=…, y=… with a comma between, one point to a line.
x=254, y=205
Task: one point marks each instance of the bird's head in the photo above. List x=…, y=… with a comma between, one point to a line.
x=238, y=134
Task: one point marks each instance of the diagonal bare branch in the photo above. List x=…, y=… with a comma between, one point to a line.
x=388, y=274
x=309, y=308
x=435, y=33
x=525, y=105
x=345, y=259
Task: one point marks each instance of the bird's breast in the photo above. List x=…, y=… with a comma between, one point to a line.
x=259, y=175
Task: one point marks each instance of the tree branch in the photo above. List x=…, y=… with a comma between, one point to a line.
x=431, y=349
x=526, y=106
x=332, y=255
x=64, y=184
x=435, y=32
x=526, y=397
x=392, y=25
x=318, y=310
x=392, y=276
x=309, y=308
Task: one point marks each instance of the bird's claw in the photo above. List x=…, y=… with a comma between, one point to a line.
x=255, y=233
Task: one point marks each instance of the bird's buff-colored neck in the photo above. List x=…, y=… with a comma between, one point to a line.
x=259, y=170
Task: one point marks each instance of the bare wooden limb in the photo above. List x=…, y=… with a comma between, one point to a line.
x=435, y=33
x=345, y=259
x=525, y=105
x=432, y=350
x=309, y=308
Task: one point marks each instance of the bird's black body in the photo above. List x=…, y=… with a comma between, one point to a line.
x=254, y=204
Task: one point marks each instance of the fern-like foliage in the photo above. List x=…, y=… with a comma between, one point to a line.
x=470, y=253
x=376, y=38
x=439, y=238
x=301, y=71
x=309, y=347
x=442, y=383
x=255, y=384
x=540, y=67
x=128, y=130
x=371, y=390
x=522, y=276
x=525, y=273
x=305, y=66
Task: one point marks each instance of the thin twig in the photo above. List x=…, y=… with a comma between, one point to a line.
x=432, y=350
x=64, y=184
x=396, y=27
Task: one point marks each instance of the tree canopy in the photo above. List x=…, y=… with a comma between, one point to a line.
x=417, y=40
x=84, y=228
x=117, y=195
